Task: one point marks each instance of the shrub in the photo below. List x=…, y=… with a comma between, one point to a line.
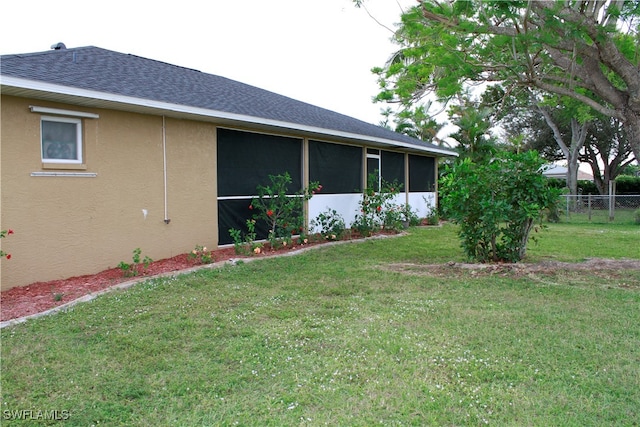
x=330, y=223
x=245, y=244
x=200, y=255
x=137, y=266
x=409, y=215
x=3, y=234
x=377, y=210
x=283, y=213
x=497, y=203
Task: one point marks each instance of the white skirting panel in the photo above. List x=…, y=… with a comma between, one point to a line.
x=347, y=205
x=422, y=203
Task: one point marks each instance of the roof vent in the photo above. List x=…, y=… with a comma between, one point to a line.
x=58, y=46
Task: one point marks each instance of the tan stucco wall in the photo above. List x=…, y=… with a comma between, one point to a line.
x=69, y=226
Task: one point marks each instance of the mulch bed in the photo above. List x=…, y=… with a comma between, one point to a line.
x=38, y=297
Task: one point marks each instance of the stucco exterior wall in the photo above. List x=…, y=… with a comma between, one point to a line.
x=67, y=226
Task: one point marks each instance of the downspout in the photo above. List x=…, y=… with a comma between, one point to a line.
x=164, y=170
x=305, y=181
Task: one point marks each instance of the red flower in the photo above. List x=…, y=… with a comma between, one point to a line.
x=250, y=206
x=319, y=187
x=269, y=212
x=379, y=208
x=10, y=231
x=8, y=256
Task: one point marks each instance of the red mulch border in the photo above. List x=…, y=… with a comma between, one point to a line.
x=20, y=303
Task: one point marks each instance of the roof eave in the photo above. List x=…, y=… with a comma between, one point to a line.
x=97, y=99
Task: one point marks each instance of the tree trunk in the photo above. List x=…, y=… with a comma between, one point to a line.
x=571, y=152
x=632, y=126
x=572, y=175
x=578, y=137
x=526, y=230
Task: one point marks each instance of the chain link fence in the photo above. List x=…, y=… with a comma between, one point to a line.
x=600, y=209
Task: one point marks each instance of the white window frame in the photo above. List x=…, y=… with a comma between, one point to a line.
x=80, y=155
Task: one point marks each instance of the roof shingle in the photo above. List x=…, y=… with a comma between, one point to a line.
x=102, y=70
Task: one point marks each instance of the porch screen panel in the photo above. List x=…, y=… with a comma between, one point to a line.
x=422, y=174
x=234, y=213
x=338, y=168
x=245, y=160
x=393, y=167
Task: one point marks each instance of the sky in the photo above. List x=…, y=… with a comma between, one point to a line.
x=317, y=51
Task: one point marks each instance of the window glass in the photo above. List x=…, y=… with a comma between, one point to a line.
x=61, y=142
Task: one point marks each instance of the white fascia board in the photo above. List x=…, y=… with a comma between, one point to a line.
x=203, y=112
x=60, y=112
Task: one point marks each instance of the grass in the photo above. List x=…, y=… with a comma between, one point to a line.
x=576, y=242
x=338, y=336
x=600, y=216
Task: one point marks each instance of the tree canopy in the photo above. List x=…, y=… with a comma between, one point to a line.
x=587, y=50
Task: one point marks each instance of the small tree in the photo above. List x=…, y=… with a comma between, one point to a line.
x=377, y=208
x=497, y=204
x=283, y=213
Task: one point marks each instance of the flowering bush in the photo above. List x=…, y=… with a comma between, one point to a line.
x=330, y=223
x=3, y=234
x=245, y=244
x=201, y=255
x=283, y=213
x=377, y=210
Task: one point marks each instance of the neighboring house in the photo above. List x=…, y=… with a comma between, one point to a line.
x=560, y=172
x=104, y=152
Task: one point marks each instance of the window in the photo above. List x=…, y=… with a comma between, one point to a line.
x=61, y=140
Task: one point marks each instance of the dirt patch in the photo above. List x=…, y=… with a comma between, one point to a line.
x=595, y=265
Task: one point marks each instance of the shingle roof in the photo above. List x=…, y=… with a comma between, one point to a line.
x=96, y=69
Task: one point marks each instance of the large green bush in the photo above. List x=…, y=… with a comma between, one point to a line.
x=497, y=203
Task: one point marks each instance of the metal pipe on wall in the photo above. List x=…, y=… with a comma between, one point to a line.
x=164, y=167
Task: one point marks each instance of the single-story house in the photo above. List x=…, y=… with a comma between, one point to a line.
x=104, y=152
x=560, y=172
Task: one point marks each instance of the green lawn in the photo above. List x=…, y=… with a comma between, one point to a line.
x=356, y=334
x=600, y=216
